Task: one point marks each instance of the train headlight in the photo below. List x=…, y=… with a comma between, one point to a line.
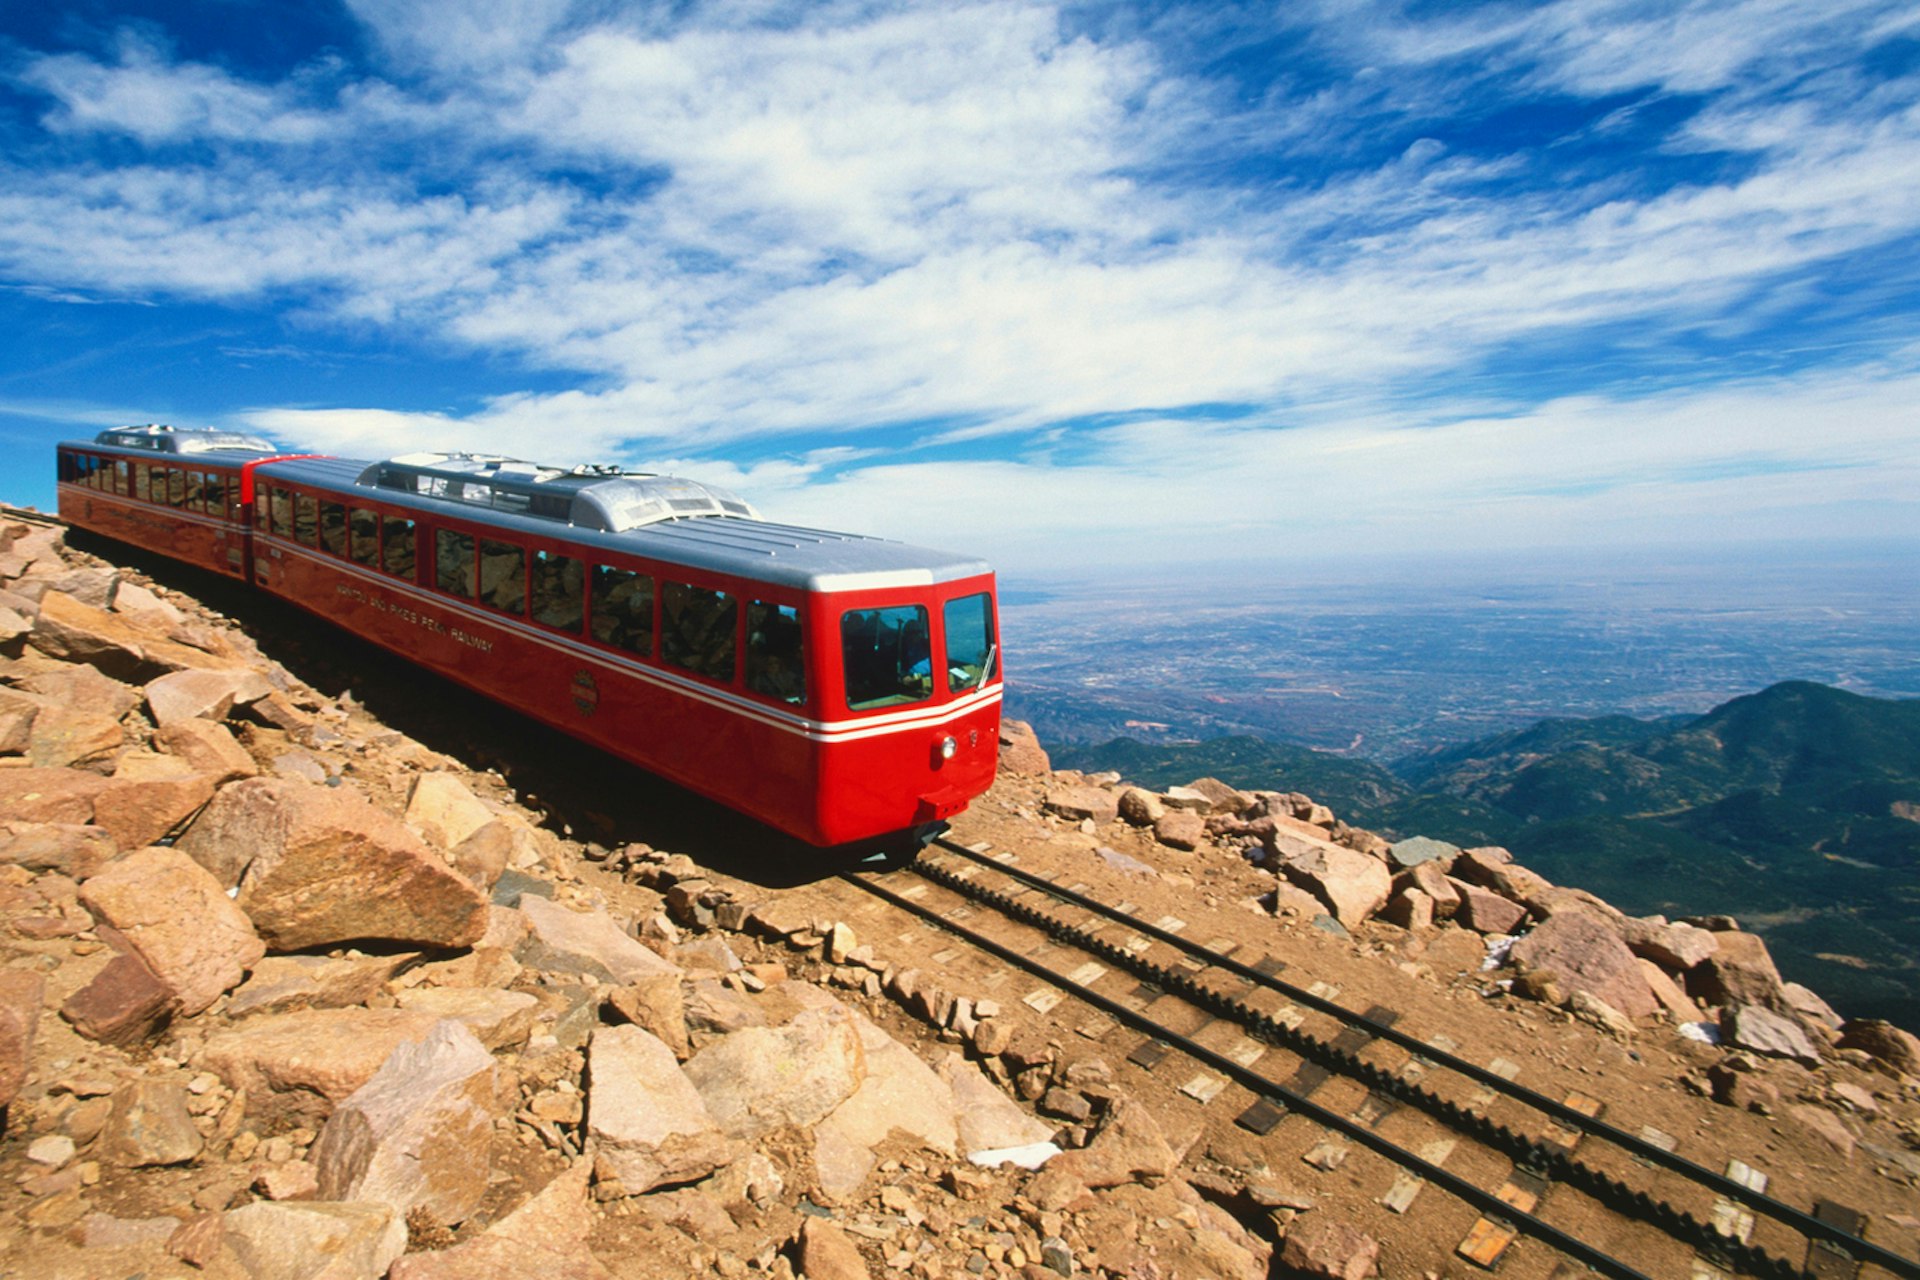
x=948, y=747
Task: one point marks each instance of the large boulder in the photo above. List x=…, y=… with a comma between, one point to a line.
x=1740, y=970
x=762, y=1078
x=444, y=811
x=180, y=921
x=123, y=1004
x=987, y=1119
x=74, y=850
x=306, y=1061
x=142, y=803
x=1326, y=1248
x=1582, y=953
x=317, y=866
x=545, y=1237
x=1760, y=1030
x=499, y=1019
x=1222, y=797
x=49, y=795
x=207, y=748
x=118, y=645
x=417, y=1135
x=650, y=1123
x=1417, y=850
x=315, y=1239
x=1352, y=885
x=282, y=984
x=1429, y=879
x=150, y=1125
x=1020, y=750
x=1128, y=1148
x=1485, y=911
x=1674, y=947
x=54, y=735
x=585, y=942
x=1886, y=1043
x=1083, y=803
x=900, y=1094
x=202, y=695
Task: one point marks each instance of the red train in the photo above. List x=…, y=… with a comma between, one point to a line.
x=837, y=687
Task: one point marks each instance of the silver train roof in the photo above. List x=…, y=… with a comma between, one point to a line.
x=154, y=437
x=661, y=517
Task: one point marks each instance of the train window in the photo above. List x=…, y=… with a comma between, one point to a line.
x=141, y=479
x=363, y=536
x=333, y=527
x=774, y=664
x=280, y=511
x=623, y=609
x=696, y=629
x=216, y=494
x=503, y=576
x=888, y=654
x=970, y=647
x=196, y=499
x=120, y=485
x=176, y=488
x=306, y=519
x=396, y=547
x=559, y=591
x=453, y=562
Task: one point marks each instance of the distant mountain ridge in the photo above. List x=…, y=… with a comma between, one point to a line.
x=1796, y=808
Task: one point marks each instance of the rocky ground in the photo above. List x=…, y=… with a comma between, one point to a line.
x=287, y=993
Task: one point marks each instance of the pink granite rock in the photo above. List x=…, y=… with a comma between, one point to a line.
x=176, y=916
x=1352, y=885
x=417, y=1135
x=320, y=865
x=1584, y=954
x=651, y=1124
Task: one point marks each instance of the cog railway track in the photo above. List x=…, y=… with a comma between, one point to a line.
x=1548, y=1145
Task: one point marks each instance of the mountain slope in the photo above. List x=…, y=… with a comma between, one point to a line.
x=1358, y=788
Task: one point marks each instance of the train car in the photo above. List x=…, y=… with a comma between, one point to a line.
x=182, y=493
x=837, y=687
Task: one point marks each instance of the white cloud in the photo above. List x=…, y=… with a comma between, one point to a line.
x=793, y=222
x=1786, y=459
x=471, y=38
x=156, y=101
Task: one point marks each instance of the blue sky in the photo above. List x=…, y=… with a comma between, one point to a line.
x=1065, y=285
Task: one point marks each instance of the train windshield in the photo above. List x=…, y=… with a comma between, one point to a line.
x=970, y=648
x=889, y=656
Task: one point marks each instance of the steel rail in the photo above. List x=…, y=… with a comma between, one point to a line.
x=1534, y=1153
x=1485, y=1201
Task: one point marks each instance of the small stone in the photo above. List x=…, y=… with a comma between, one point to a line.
x=53, y=1150
x=1406, y=854
x=150, y=1125
x=1322, y=1246
x=197, y=1241
x=827, y=1253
